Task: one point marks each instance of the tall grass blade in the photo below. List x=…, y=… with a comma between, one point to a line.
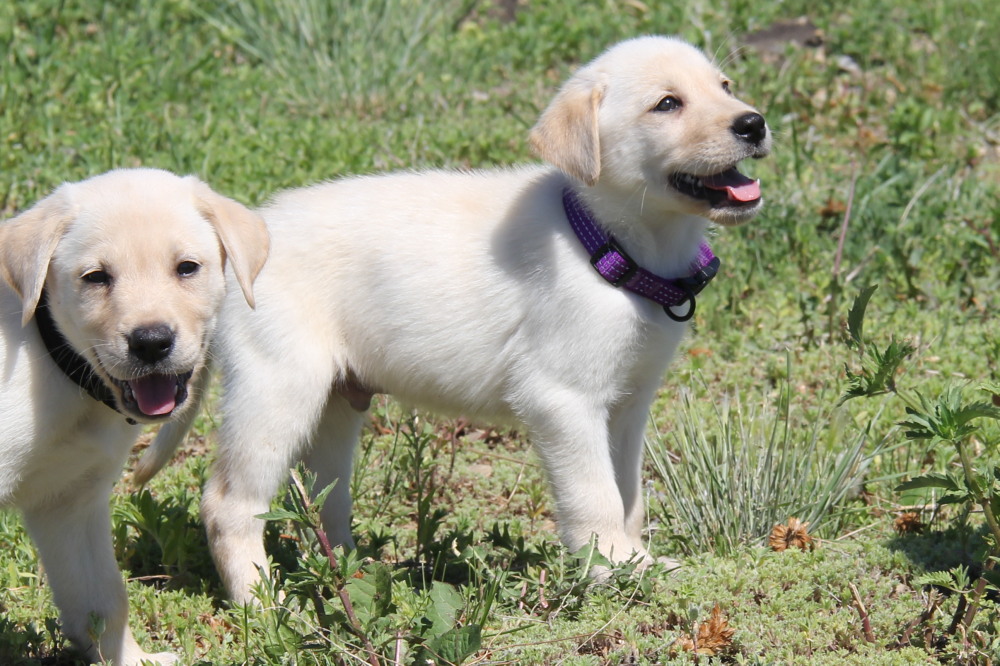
x=730, y=477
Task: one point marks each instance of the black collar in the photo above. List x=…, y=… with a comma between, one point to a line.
x=72, y=364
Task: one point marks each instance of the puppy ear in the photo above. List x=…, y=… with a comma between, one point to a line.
x=27, y=243
x=567, y=134
x=242, y=232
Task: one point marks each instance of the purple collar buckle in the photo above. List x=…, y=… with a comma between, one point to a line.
x=619, y=269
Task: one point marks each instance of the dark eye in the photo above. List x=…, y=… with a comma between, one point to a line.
x=725, y=86
x=668, y=103
x=97, y=277
x=186, y=268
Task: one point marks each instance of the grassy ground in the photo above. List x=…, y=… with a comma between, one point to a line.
x=886, y=115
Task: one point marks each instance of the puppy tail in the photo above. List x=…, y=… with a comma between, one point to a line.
x=170, y=436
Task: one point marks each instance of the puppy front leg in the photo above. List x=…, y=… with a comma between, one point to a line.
x=572, y=442
x=73, y=538
x=628, y=428
x=258, y=443
x=241, y=487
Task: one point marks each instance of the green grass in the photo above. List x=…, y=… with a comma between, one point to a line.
x=896, y=116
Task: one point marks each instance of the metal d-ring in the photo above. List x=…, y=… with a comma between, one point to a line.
x=690, y=312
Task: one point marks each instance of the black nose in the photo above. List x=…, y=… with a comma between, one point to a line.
x=750, y=127
x=150, y=344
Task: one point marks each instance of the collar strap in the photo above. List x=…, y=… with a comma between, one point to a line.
x=72, y=364
x=618, y=268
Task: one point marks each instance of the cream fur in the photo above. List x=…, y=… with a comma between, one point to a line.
x=60, y=450
x=467, y=293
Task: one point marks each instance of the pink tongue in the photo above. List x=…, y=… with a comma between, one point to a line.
x=155, y=394
x=737, y=186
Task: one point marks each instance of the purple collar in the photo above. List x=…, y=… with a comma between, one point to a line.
x=619, y=269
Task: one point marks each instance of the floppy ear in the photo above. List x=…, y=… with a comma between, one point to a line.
x=567, y=134
x=242, y=232
x=27, y=243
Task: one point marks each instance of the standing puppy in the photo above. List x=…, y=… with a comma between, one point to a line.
x=550, y=296
x=110, y=295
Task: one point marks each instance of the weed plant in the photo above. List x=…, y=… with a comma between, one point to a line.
x=727, y=481
x=955, y=422
x=362, y=55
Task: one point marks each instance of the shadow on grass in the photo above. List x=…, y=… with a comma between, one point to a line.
x=161, y=542
x=943, y=550
x=30, y=646
x=947, y=549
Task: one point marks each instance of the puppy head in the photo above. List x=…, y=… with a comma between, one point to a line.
x=132, y=262
x=652, y=116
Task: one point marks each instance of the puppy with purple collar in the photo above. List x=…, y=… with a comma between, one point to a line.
x=549, y=296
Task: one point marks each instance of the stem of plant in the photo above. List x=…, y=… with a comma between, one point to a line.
x=835, y=286
x=991, y=521
x=324, y=542
x=859, y=605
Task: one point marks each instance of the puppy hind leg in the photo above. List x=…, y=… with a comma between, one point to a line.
x=331, y=460
x=74, y=543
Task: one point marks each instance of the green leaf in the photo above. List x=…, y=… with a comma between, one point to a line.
x=949, y=419
x=445, y=607
x=280, y=514
x=371, y=593
x=456, y=645
x=321, y=496
x=992, y=577
x=937, y=578
x=930, y=481
x=991, y=387
x=887, y=363
x=956, y=498
x=856, y=315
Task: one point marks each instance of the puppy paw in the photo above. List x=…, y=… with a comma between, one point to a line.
x=600, y=573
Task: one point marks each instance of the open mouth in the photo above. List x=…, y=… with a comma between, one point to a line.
x=154, y=394
x=726, y=189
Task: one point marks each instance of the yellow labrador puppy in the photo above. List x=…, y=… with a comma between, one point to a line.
x=550, y=296
x=111, y=292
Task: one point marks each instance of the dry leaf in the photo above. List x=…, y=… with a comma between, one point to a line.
x=791, y=535
x=714, y=637
x=909, y=522
x=833, y=208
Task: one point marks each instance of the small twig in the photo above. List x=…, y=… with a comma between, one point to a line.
x=977, y=594
x=843, y=225
x=865, y=528
x=144, y=579
x=541, y=590
x=849, y=278
x=514, y=486
x=866, y=624
x=926, y=616
x=835, y=285
x=919, y=193
x=956, y=620
x=933, y=506
x=397, y=655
